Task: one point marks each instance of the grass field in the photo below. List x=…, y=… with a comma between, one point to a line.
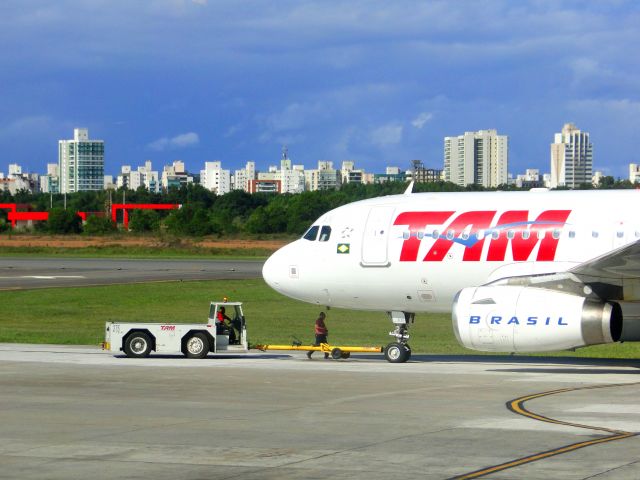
x=77, y=316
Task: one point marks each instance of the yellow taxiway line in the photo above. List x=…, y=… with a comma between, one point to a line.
x=517, y=407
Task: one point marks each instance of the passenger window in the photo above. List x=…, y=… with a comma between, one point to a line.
x=420, y=235
x=572, y=234
x=450, y=234
x=325, y=233
x=540, y=234
x=637, y=234
x=465, y=236
x=312, y=233
x=525, y=234
x=406, y=235
x=435, y=234
x=556, y=234
x=594, y=234
x=495, y=234
x=620, y=234
x=511, y=234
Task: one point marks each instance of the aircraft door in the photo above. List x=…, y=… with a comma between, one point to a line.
x=376, y=237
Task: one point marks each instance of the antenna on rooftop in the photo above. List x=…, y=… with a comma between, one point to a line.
x=285, y=153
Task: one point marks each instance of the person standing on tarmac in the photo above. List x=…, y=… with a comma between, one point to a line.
x=321, y=334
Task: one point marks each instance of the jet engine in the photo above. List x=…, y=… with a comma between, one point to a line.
x=529, y=319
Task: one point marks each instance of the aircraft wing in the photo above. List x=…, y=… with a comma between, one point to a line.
x=614, y=275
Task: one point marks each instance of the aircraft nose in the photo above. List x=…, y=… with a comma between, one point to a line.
x=274, y=270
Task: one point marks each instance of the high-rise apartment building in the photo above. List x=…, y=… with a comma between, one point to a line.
x=214, y=178
x=571, y=158
x=634, y=172
x=81, y=163
x=50, y=183
x=350, y=174
x=478, y=157
x=145, y=177
x=324, y=178
x=291, y=177
x=241, y=178
x=175, y=175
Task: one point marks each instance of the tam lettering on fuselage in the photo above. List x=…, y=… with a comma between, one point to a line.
x=500, y=320
x=471, y=229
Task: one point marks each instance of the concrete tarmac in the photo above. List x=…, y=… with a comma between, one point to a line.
x=77, y=412
x=27, y=273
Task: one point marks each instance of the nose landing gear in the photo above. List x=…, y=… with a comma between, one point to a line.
x=399, y=351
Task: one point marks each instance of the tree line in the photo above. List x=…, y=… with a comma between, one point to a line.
x=205, y=213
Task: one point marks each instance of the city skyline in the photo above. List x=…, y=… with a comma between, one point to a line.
x=370, y=82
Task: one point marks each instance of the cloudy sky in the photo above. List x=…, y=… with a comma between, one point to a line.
x=377, y=82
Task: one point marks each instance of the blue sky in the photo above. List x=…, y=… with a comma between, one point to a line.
x=377, y=82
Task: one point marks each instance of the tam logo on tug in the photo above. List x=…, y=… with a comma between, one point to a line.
x=465, y=230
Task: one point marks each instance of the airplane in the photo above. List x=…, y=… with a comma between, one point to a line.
x=526, y=271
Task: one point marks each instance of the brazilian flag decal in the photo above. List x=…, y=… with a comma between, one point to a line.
x=343, y=248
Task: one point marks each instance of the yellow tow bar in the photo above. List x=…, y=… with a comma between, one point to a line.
x=335, y=352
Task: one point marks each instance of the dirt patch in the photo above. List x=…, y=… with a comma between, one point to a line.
x=73, y=241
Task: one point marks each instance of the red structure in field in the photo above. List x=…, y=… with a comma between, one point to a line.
x=125, y=207
x=26, y=216
x=85, y=215
x=15, y=216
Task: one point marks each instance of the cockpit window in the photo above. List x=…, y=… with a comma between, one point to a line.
x=312, y=233
x=325, y=233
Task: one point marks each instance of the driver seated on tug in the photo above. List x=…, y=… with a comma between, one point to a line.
x=225, y=329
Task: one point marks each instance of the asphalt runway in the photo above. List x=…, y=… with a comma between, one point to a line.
x=77, y=412
x=25, y=273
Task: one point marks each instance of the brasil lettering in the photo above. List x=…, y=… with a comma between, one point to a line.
x=500, y=320
x=522, y=244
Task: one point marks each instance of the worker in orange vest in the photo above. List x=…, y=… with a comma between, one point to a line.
x=321, y=334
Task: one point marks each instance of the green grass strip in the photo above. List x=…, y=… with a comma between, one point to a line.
x=77, y=316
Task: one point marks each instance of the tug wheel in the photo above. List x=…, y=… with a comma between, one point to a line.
x=196, y=346
x=137, y=345
x=336, y=353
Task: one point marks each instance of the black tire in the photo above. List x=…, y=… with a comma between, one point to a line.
x=336, y=353
x=196, y=346
x=137, y=345
x=396, y=353
x=408, y=349
x=346, y=354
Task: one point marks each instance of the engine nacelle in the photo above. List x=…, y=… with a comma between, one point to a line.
x=529, y=319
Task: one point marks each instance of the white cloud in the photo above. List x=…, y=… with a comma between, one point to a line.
x=622, y=107
x=386, y=135
x=421, y=119
x=179, y=141
x=185, y=140
x=232, y=130
x=293, y=117
x=27, y=124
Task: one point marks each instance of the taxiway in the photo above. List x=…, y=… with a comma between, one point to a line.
x=77, y=412
x=25, y=273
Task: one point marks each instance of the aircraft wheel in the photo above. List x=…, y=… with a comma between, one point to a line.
x=396, y=353
x=336, y=353
x=137, y=345
x=346, y=354
x=408, y=349
x=197, y=346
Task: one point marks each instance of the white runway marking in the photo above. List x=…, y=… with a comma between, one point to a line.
x=45, y=277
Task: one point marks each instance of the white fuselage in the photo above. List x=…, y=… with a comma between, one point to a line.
x=414, y=252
